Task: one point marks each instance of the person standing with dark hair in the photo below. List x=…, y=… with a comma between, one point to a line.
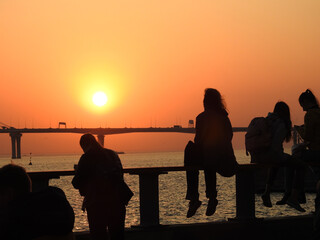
x=310, y=131
x=99, y=178
x=214, y=151
x=309, y=150
x=280, y=125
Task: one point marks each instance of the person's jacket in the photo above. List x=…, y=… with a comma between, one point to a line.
x=213, y=139
x=98, y=176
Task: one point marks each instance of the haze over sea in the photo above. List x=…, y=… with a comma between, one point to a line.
x=172, y=187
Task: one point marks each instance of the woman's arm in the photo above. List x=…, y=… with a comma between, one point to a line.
x=81, y=173
x=199, y=130
x=278, y=138
x=228, y=130
x=300, y=130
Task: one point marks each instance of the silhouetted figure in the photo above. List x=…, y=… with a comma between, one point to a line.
x=310, y=131
x=29, y=215
x=280, y=126
x=212, y=149
x=310, y=148
x=99, y=178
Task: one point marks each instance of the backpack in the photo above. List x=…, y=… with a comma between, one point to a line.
x=258, y=137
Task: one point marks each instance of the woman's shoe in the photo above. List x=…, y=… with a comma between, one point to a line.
x=302, y=198
x=266, y=200
x=193, y=207
x=212, y=206
x=295, y=204
x=283, y=201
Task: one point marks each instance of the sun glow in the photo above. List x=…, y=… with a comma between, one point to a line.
x=98, y=91
x=99, y=99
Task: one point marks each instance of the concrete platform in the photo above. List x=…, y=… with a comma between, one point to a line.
x=280, y=228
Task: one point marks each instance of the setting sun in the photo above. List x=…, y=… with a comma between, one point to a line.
x=99, y=99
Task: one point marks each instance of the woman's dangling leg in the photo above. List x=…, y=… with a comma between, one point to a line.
x=272, y=173
x=193, y=192
x=211, y=190
x=289, y=175
x=297, y=183
x=192, y=185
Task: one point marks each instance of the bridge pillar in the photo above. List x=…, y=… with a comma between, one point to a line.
x=16, y=145
x=13, y=146
x=19, y=145
x=245, y=196
x=149, y=197
x=101, y=140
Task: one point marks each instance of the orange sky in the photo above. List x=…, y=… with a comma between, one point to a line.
x=153, y=59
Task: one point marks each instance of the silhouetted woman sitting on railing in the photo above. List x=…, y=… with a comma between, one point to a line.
x=212, y=150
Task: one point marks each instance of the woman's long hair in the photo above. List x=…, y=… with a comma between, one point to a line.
x=283, y=111
x=308, y=96
x=88, y=140
x=213, y=100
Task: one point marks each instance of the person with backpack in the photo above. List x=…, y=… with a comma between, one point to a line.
x=274, y=130
x=212, y=150
x=99, y=178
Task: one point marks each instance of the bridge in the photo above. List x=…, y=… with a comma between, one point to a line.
x=16, y=133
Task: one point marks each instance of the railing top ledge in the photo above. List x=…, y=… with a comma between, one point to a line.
x=146, y=170
x=50, y=174
x=152, y=170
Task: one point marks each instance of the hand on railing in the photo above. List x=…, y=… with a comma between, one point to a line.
x=297, y=134
x=298, y=143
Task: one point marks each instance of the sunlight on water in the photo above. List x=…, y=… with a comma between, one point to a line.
x=172, y=187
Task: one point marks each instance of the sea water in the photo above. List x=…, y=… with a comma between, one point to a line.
x=172, y=189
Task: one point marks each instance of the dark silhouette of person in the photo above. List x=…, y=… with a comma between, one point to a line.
x=280, y=125
x=214, y=151
x=26, y=215
x=310, y=148
x=99, y=178
x=310, y=131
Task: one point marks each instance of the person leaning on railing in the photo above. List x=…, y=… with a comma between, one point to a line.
x=99, y=178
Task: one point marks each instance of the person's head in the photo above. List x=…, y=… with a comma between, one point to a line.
x=88, y=141
x=14, y=182
x=283, y=111
x=307, y=100
x=212, y=100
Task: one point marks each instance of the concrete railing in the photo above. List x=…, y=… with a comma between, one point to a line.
x=149, y=189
